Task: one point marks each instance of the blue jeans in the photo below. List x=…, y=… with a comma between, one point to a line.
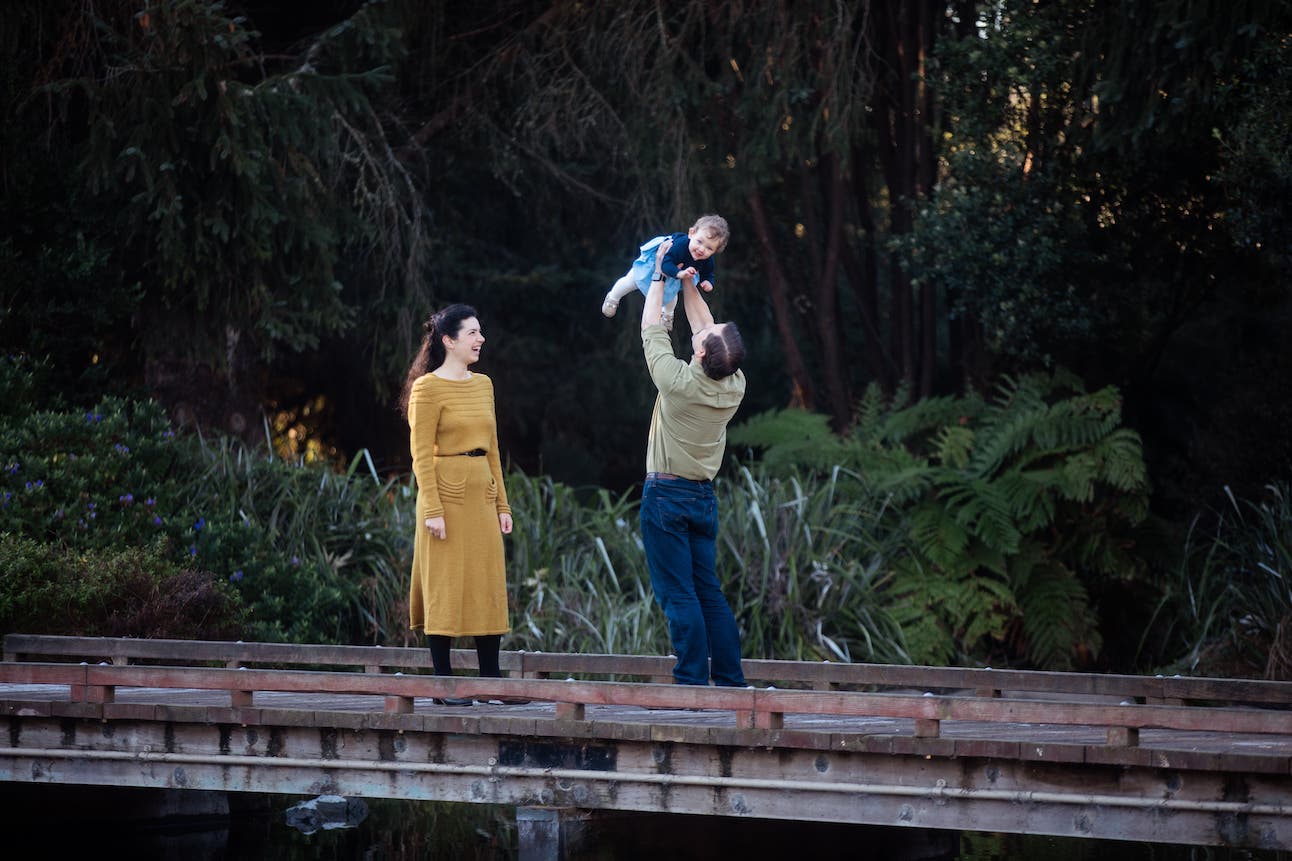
x=679, y=521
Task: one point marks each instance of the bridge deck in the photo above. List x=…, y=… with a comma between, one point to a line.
x=1277, y=747
x=1202, y=761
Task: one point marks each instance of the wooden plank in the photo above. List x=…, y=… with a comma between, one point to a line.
x=817, y=675
x=43, y=674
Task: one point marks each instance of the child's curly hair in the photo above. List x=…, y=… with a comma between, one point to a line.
x=715, y=226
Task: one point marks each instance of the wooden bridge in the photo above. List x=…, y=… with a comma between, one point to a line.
x=1168, y=760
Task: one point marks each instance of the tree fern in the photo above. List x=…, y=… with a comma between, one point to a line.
x=1041, y=481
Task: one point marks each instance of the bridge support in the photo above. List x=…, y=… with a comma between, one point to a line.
x=550, y=833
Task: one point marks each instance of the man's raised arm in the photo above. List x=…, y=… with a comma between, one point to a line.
x=697, y=310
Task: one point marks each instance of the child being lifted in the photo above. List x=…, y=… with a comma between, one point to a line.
x=672, y=259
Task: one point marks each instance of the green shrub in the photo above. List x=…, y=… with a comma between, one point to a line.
x=114, y=592
x=303, y=547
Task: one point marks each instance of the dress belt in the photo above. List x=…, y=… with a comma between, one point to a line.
x=668, y=476
x=475, y=452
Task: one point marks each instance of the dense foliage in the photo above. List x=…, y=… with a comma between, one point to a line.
x=218, y=208
x=1012, y=508
x=114, y=488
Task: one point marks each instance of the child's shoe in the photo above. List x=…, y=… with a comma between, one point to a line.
x=609, y=306
x=666, y=318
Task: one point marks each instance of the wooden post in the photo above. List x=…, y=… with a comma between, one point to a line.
x=399, y=705
x=1123, y=736
x=928, y=728
x=240, y=699
x=93, y=693
x=570, y=711
x=550, y=833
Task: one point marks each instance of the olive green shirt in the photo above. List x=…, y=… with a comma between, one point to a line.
x=688, y=429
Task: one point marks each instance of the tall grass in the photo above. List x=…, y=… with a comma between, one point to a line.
x=801, y=563
x=1231, y=603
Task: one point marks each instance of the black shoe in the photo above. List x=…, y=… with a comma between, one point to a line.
x=453, y=701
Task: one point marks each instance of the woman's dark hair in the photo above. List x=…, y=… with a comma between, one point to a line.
x=431, y=354
x=723, y=353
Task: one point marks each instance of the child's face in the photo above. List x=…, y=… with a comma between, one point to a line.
x=703, y=244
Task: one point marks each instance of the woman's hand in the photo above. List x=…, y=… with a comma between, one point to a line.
x=504, y=522
x=436, y=526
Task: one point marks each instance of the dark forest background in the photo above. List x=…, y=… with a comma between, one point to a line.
x=244, y=210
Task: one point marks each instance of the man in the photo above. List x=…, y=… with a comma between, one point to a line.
x=679, y=511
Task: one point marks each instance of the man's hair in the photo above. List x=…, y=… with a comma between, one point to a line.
x=723, y=353
x=715, y=226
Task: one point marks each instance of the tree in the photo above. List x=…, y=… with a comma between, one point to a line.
x=233, y=183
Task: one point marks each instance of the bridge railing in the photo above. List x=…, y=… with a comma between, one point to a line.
x=823, y=676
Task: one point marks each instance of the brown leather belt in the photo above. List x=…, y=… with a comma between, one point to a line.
x=668, y=476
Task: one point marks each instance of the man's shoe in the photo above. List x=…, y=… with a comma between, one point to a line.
x=453, y=701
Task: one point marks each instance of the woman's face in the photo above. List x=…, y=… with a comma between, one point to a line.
x=466, y=346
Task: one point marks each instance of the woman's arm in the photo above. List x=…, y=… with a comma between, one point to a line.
x=423, y=426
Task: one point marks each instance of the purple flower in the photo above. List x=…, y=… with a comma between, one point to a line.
x=296, y=560
x=169, y=434
x=150, y=502
x=157, y=521
x=201, y=522
x=121, y=449
x=126, y=499
x=192, y=550
x=90, y=506
x=13, y=468
x=236, y=576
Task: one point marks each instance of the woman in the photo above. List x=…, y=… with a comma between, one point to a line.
x=459, y=586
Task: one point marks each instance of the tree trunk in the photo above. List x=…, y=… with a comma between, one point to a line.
x=835, y=368
x=864, y=275
x=801, y=394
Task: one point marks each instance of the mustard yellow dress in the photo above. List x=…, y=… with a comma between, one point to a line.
x=459, y=586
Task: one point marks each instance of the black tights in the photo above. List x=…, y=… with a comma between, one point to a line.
x=487, y=648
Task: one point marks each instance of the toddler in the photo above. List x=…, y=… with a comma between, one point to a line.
x=671, y=259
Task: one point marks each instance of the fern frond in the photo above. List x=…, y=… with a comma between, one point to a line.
x=1121, y=460
x=953, y=445
x=1057, y=617
x=984, y=511
x=938, y=536
x=781, y=427
x=920, y=419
